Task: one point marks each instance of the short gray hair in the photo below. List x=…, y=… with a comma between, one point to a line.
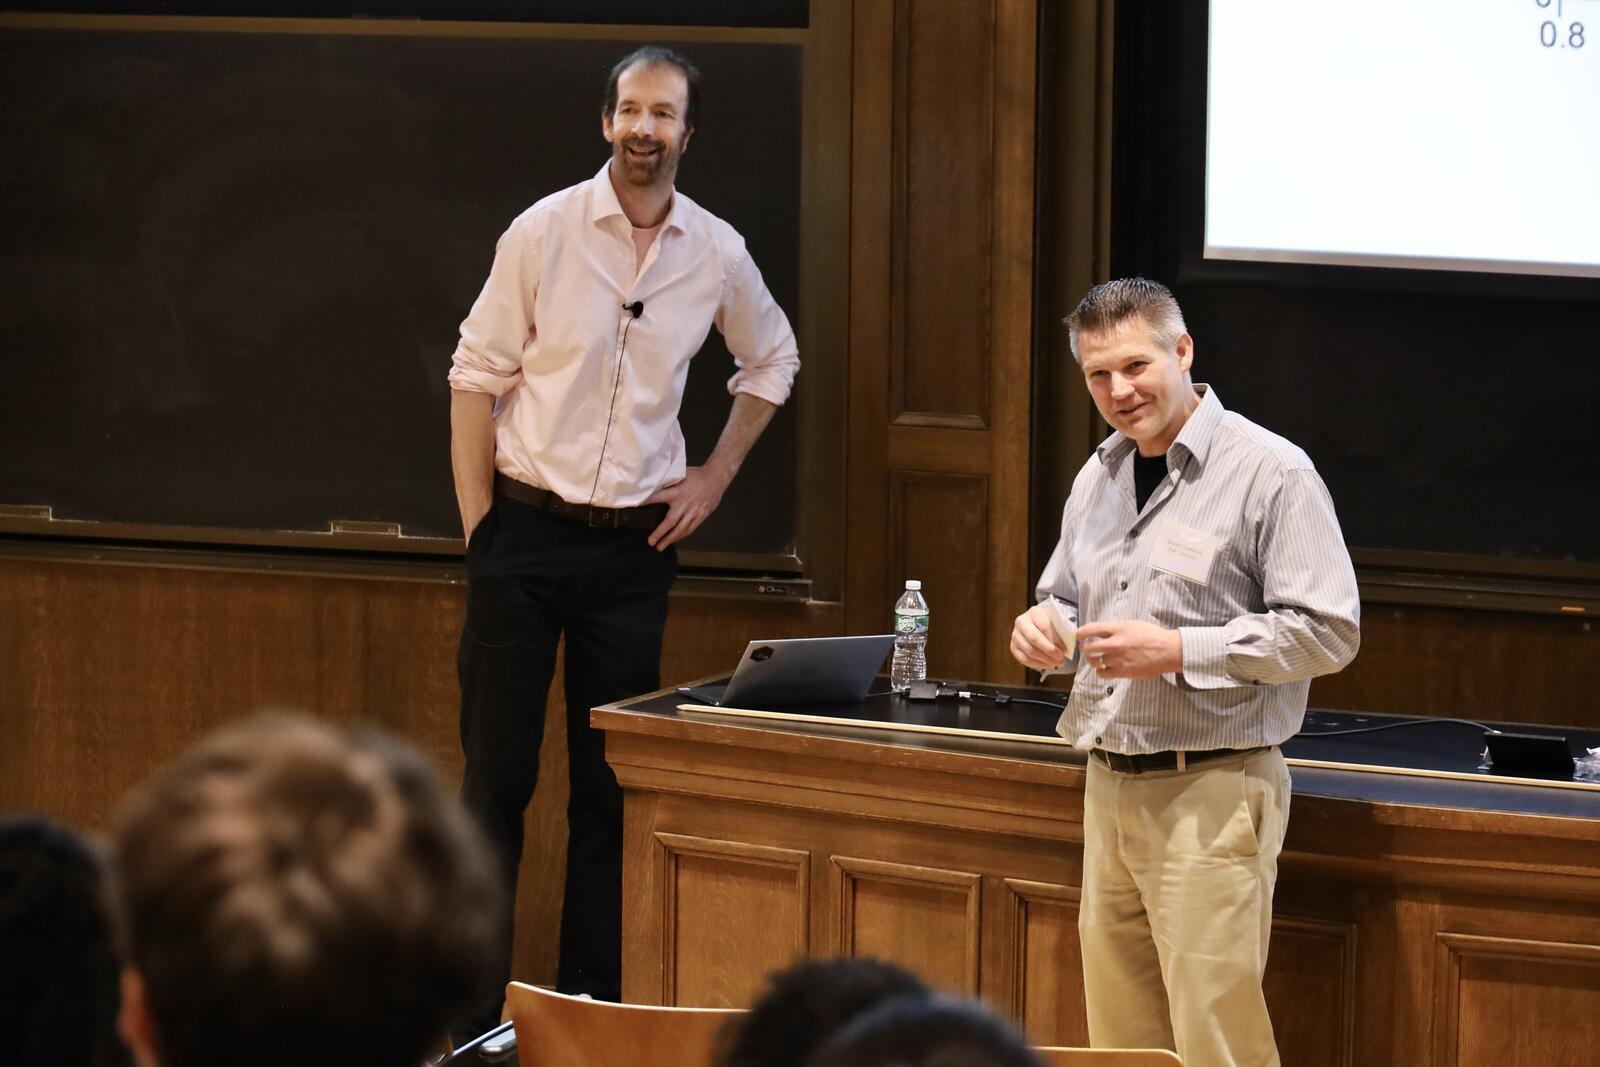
x=1110, y=304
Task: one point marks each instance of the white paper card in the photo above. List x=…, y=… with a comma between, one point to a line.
x=1064, y=628
x=1184, y=551
x=1065, y=633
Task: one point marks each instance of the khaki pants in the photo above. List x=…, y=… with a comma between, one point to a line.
x=1178, y=870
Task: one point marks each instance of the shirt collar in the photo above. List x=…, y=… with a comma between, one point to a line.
x=603, y=203
x=1193, y=440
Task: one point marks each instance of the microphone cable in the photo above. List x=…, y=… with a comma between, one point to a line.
x=637, y=309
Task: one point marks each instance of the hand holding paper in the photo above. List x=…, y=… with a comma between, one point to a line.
x=1065, y=633
x=1043, y=637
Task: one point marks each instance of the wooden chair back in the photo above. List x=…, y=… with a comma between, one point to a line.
x=554, y=1030
x=1108, y=1057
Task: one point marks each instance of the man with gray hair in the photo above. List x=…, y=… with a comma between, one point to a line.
x=1200, y=583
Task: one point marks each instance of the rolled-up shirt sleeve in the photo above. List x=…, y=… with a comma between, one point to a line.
x=1312, y=621
x=488, y=358
x=758, y=335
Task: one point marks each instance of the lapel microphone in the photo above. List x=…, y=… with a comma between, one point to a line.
x=637, y=307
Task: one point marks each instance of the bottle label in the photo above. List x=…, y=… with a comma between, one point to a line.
x=911, y=625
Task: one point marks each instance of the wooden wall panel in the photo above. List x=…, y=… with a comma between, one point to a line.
x=1515, y=1002
x=939, y=533
x=107, y=671
x=111, y=671
x=1074, y=228
x=943, y=137
x=942, y=207
x=925, y=918
x=1048, y=970
x=1310, y=989
x=871, y=290
x=1471, y=664
x=732, y=914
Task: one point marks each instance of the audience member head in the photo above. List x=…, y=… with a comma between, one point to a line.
x=926, y=1031
x=805, y=1004
x=58, y=969
x=288, y=893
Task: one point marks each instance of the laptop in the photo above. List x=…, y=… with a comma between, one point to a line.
x=799, y=670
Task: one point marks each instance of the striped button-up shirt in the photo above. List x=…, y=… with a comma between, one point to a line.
x=588, y=395
x=1239, y=550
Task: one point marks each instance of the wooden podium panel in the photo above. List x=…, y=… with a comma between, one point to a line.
x=1406, y=930
x=729, y=909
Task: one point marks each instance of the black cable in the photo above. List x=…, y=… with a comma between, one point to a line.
x=1001, y=699
x=1395, y=726
x=611, y=411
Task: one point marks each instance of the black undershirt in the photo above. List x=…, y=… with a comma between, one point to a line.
x=1147, y=474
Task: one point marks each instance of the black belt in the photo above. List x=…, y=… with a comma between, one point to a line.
x=1166, y=761
x=645, y=518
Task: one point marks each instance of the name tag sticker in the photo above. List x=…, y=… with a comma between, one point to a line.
x=1184, y=551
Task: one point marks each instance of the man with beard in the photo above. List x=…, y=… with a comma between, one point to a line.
x=571, y=477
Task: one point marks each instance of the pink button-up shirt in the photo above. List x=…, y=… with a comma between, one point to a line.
x=549, y=337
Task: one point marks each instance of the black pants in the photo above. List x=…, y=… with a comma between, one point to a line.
x=532, y=576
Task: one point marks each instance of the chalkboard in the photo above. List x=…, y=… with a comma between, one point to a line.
x=1448, y=413
x=233, y=264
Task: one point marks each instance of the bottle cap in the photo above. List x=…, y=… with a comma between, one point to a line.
x=912, y=583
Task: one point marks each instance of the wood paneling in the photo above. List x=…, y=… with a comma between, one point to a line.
x=1074, y=227
x=924, y=917
x=1471, y=664
x=1015, y=150
x=108, y=671
x=1396, y=923
x=729, y=910
x=942, y=307
x=1310, y=989
x=871, y=244
x=1515, y=1002
x=1047, y=997
x=938, y=535
x=944, y=116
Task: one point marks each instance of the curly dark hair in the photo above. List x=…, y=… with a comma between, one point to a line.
x=58, y=966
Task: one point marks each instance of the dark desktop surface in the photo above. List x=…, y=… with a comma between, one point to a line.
x=1369, y=761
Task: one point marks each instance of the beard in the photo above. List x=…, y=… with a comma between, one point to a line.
x=661, y=165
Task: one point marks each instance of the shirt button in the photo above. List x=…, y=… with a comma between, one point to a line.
x=1110, y=689
x=1122, y=584
x=1099, y=740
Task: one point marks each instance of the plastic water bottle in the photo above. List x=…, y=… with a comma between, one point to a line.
x=910, y=663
